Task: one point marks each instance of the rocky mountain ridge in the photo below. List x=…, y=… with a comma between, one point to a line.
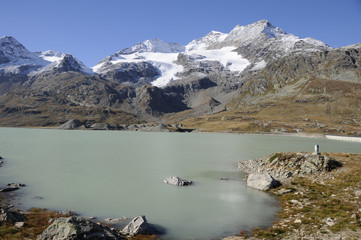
x=155, y=80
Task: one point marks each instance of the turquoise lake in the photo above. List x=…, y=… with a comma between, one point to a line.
x=111, y=174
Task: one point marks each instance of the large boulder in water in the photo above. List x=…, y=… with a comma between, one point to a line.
x=177, y=181
x=71, y=124
x=77, y=228
x=262, y=181
x=138, y=225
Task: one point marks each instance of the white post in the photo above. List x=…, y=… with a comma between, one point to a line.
x=317, y=149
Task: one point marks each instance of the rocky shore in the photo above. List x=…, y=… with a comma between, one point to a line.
x=42, y=224
x=319, y=194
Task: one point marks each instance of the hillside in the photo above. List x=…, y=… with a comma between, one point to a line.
x=256, y=78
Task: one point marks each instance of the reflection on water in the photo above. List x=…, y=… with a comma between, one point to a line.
x=116, y=174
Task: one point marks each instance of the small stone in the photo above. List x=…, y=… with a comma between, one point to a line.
x=298, y=221
x=357, y=193
x=284, y=191
x=19, y=224
x=330, y=222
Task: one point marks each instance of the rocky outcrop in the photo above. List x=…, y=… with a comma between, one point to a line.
x=177, y=181
x=71, y=124
x=141, y=72
x=9, y=214
x=77, y=228
x=138, y=225
x=262, y=181
x=101, y=126
x=284, y=165
x=12, y=187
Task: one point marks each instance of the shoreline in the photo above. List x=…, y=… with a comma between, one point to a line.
x=285, y=134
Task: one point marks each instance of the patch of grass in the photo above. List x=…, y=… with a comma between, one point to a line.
x=274, y=156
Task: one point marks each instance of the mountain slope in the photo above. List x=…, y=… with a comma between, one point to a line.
x=255, y=78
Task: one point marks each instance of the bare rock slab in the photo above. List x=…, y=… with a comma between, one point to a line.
x=77, y=228
x=138, y=225
x=177, y=181
x=71, y=124
x=8, y=214
x=262, y=181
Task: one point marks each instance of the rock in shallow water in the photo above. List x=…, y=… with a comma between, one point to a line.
x=262, y=181
x=138, y=225
x=177, y=181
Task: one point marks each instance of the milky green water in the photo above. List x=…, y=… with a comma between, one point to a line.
x=115, y=174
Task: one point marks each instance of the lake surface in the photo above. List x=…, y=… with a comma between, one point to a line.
x=115, y=174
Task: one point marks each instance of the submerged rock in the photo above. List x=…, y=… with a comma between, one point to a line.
x=177, y=181
x=262, y=181
x=12, y=187
x=77, y=228
x=138, y=225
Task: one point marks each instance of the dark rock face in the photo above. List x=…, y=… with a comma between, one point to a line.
x=68, y=64
x=3, y=58
x=337, y=64
x=8, y=214
x=77, y=228
x=141, y=72
x=184, y=87
x=155, y=101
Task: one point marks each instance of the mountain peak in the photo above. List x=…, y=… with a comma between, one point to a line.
x=204, y=42
x=153, y=45
x=12, y=48
x=262, y=28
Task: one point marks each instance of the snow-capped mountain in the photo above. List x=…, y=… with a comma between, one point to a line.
x=15, y=60
x=206, y=41
x=61, y=62
x=157, y=62
x=249, y=46
x=153, y=45
x=159, y=54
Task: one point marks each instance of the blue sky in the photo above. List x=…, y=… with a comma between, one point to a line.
x=94, y=29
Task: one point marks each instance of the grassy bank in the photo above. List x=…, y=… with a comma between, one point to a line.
x=320, y=206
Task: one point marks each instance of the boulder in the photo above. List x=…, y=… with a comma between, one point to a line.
x=177, y=181
x=100, y=126
x=71, y=124
x=138, y=225
x=77, y=228
x=8, y=214
x=262, y=181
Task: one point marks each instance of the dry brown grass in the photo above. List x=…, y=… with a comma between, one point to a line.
x=330, y=195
